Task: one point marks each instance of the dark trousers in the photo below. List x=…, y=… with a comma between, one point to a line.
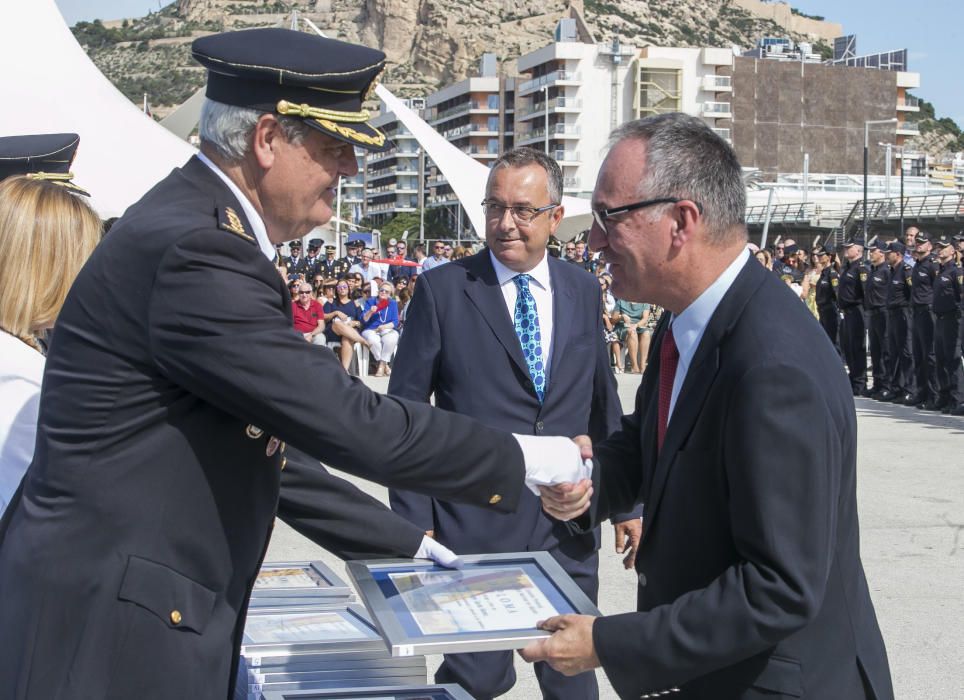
x=877, y=332
x=830, y=320
x=925, y=362
x=489, y=674
x=947, y=349
x=854, y=346
x=900, y=368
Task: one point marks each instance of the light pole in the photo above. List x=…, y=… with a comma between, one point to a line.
x=892, y=120
x=545, y=96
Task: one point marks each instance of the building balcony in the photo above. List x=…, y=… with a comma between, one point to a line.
x=442, y=200
x=565, y=156
x=459, y=110
x=480, y=152
x=717, y=83
x=571, y=184
x=556, y=131
x=908, y=129
x=723, y=134
x=559, y=104
x=556, y=77
x=910, y=104
x=382, y=173
x=384, y=155
x=716, y=110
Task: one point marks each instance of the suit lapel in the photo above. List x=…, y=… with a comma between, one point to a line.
x=699, y=377
x=563, y=298
x=483, y=290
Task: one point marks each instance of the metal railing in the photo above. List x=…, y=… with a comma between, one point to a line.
x=932, y=208
x=716, y=108
x=554, y=130
x=723, y=133
x=717, y=82
x=555, y=103
x=908, y=128
x=548, y=79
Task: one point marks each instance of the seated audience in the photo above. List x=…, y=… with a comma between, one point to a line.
x=343, y=319
x=308, y=315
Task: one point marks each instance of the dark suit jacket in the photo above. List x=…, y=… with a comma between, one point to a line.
x=459, y=343
x=750, y=575
x=152, y=490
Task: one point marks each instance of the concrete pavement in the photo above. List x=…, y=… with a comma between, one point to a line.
x=910, y=488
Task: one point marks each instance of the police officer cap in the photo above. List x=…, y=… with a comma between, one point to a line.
x=944, y=241
x=820, y=250
x=40, y=157
x=896, y=247
x=315, y=243
x=295, y=243
x=791, y=249
x=923, y=237
x=959, y=237
x=321, y=81
x=853, y=240
x=354, y=244
x=875, y=244
x=329, y=247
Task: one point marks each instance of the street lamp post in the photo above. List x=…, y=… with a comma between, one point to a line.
x=892, y=120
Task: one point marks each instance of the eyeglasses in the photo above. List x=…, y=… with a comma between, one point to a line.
x=522, y=215
x=302, y=291
x=384, y=291
x=601, y=215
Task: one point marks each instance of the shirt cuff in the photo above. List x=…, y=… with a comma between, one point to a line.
x=552, y=460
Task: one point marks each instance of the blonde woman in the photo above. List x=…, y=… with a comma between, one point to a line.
x=46, y=234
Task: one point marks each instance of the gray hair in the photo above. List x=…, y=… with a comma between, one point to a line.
x=686, y=159
x=228, y=129
x=521, y=157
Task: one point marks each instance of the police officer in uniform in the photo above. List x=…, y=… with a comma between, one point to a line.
x=875, y=303
x=850, y=298
x=826, y=295
x=331, y=268
x=296, y=263
x=128, y=553
x=922, y=294
x=948, y=302
x=353, y=253
x=312, y=261
x=900, y=358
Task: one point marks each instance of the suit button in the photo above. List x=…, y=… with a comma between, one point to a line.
x=253, y=432
x=284, y=463
x=495, y=499
x=175, y=617
x=641, y=578
x=540, y=426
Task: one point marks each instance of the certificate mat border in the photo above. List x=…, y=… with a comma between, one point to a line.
x=353, y=610
x=400, y=643
x=337, y=586
x=452, y=692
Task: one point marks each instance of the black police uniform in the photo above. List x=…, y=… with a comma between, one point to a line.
x=900, y=368
x=947, y=306
x=297, y=265
x=826, y=299
x=127, y=558
x=850, y=297
x=875, y=302
x=332, y=269
x=922, y=294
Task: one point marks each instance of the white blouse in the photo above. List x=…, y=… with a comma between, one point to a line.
x=21, y=373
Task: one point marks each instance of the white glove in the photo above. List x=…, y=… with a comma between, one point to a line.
x=552, y=460
x=439, y=553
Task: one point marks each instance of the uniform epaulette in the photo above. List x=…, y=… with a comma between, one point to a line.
x=229, y=220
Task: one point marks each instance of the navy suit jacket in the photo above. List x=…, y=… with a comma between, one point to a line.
x=750, y=580
x=459, y=343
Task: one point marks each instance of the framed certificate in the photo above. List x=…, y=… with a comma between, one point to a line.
x=421, y=692
x=269, y=631
x=492, y=603
x=299, y=579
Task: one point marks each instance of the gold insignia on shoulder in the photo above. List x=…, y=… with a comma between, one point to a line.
x=233, y=224
x=863, y=276
x=834, y=281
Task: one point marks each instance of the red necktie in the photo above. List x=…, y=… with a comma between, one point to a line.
x=668, y=359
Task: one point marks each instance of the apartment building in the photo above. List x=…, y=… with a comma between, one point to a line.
x=391, y=178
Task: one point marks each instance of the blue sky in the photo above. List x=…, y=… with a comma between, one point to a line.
x=931, y=30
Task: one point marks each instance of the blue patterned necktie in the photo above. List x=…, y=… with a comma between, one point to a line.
x=526, y=321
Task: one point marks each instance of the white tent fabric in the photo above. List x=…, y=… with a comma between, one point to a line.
x=123, y=152
x=467, y=176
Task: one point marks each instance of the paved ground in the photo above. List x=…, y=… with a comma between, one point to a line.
x=911, y=499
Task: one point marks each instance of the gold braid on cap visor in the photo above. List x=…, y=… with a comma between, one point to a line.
x=51, y=177
x=292, y=110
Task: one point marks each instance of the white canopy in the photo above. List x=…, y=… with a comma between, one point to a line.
x=50, y=85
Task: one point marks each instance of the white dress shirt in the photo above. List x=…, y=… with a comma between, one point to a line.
x=21, y=373
x=369, y=273
x=250, y=213
x=541, y=287
x=688, y=326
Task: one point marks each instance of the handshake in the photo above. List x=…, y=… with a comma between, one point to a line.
x=559, y=471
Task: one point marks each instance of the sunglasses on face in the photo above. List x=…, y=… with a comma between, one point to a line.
x=304, y=292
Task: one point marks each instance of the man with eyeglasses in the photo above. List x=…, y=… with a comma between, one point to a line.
x=570, y=253
x=368, y=268
x=308, y=316
x=750, y=581
x=436, y=258
x=512, y=336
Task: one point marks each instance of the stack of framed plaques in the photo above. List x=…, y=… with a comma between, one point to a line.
x=492, y=603
x=317, y=647
x=422, y=692
x=299, y=583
